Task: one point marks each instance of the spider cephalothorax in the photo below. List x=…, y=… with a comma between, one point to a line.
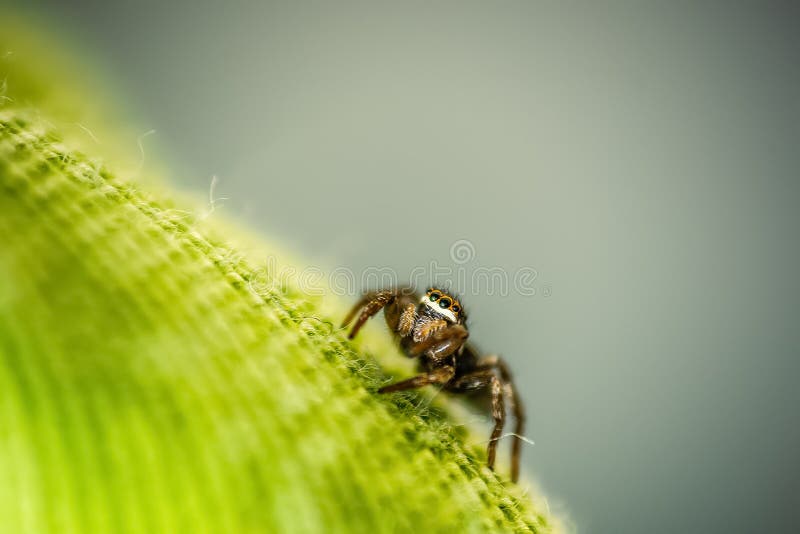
x=432, y=329
x=438, y=302
x=436, y=310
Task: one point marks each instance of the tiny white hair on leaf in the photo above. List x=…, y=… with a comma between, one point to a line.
x=141, y=147
x=513, y=434
x=89, y=132
x=212, y=202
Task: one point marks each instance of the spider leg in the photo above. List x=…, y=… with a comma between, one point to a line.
x=440, y=375
x=372, y=303
x=366, y=297
x=480, y=379
x=495, y=362
x=441, y=343
x=399, y=305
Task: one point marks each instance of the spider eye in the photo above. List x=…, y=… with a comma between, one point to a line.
x=444, y=303
x=456, y=308
x=435, y=297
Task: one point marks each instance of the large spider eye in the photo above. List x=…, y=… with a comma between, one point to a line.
x=444, y=303
x=456, y=308
x=435, y=297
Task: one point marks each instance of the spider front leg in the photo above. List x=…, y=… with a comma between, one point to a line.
x=439, y=346
x=440, y=343
x=395, y=301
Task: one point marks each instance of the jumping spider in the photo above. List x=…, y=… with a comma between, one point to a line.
x=432, y=329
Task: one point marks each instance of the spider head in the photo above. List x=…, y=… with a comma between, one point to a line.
x=439, y=303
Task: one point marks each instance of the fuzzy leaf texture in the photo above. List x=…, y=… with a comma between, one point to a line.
x=148, y=385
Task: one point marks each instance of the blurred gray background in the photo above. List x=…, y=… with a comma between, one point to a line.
x=644, y=159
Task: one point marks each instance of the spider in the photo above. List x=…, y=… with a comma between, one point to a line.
x=432, y=328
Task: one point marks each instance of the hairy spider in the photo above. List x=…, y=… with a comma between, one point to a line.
x=432, y=329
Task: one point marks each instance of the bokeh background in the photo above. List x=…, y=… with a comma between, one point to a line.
x=644, y=159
